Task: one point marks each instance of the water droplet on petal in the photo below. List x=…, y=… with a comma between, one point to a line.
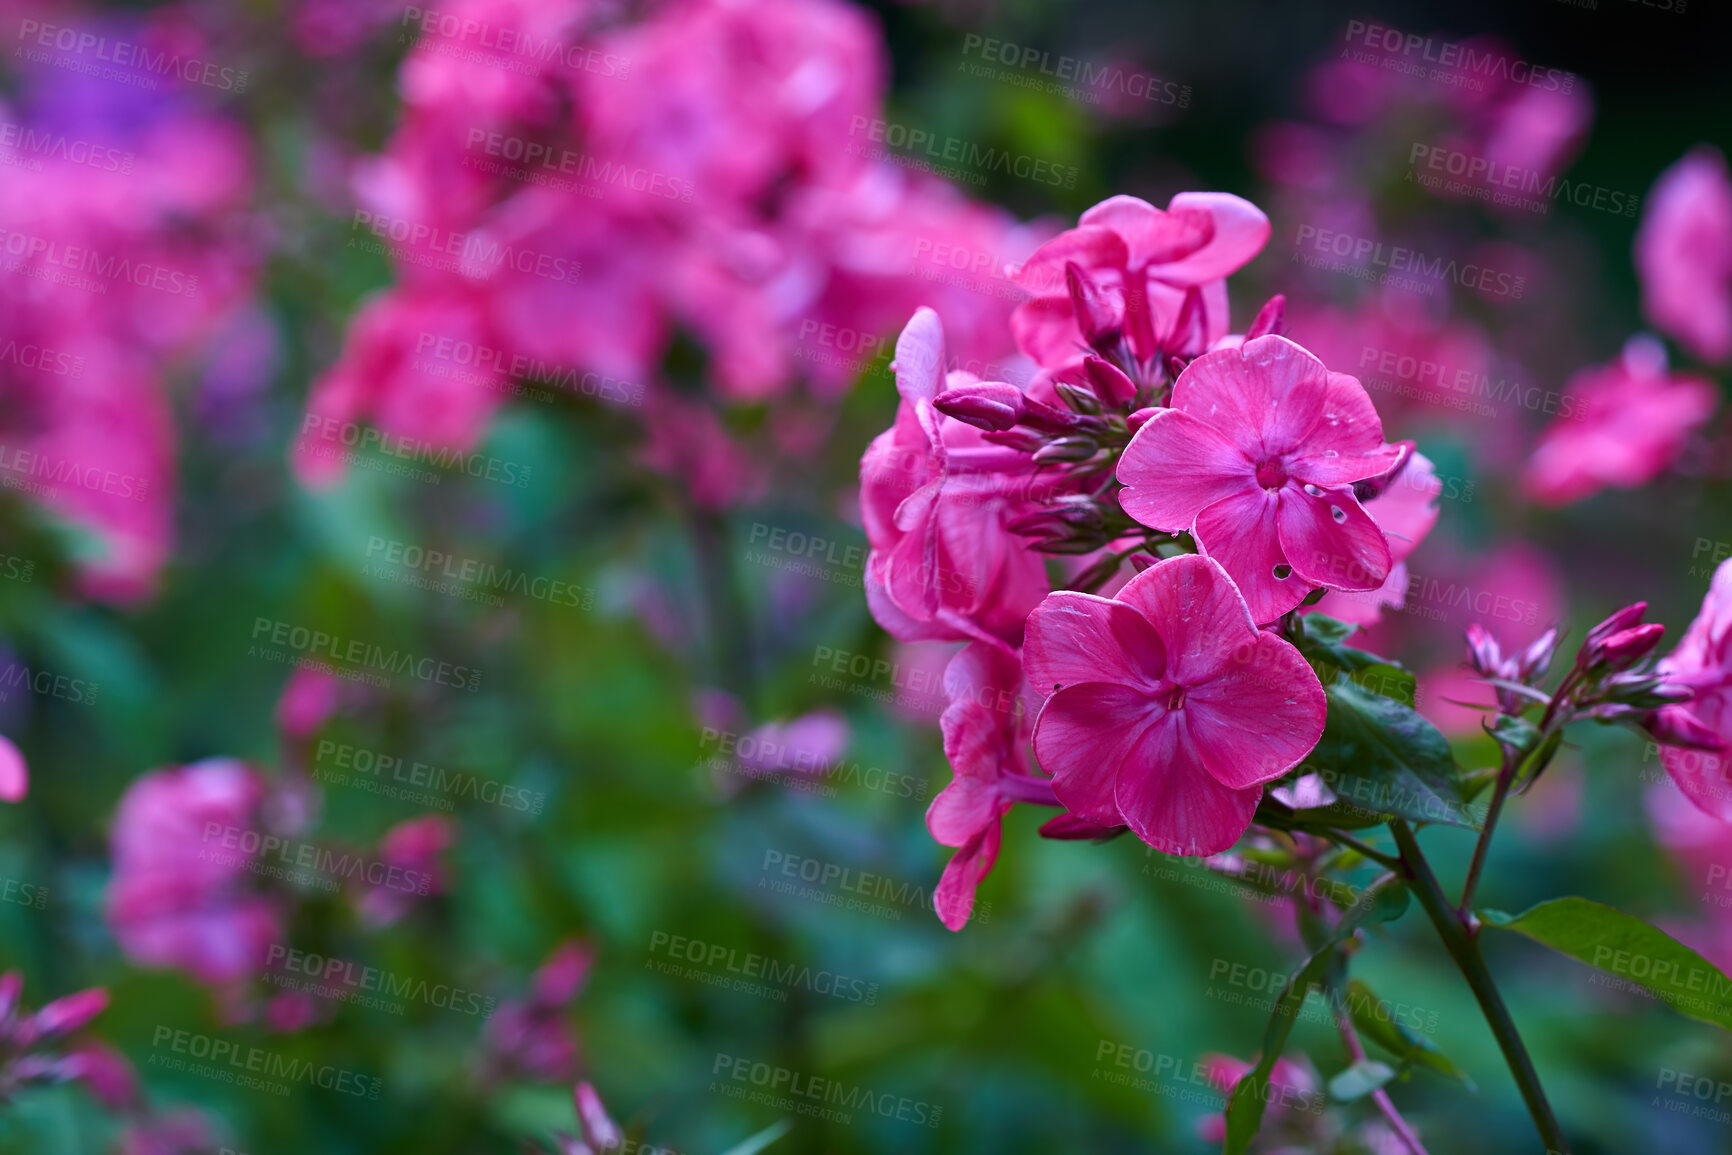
x=1313, y=490
x=1283, y=572
x=1339, y=514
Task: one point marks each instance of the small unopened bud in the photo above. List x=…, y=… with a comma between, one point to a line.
x=990, y=405
x=1109, y=381
x=1100, y=314
x=1067, y=449
x=1537, y=658
x=63, y=1016
x=1271, y=318
x=1140, y=418
x=1623, y=619
x=1024, y=439
x=1627, y=647
x=1483, y=652
x=1078, y=397
x=1142, y=561
x=1052, y=419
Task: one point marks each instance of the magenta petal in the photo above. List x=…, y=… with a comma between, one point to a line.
x=1076, y=637
x=1241, y=533
x=1263, y=396
x=1345, y=442
x=1172, y=802
x=1092, y=248
x=1330, y=541
x=1176, y=466
x=1199, y=612
x=14, y=772
x=1259, y=717
x=953, y=898
x=920, y=358
x=1152, y=236
x=1240, y=230
x=1083, y=735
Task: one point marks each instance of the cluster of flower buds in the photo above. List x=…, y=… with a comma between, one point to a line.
x=1613, y=678
x=28, y=1055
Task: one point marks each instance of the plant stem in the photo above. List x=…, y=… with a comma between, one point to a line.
x=1505, y=779
x=1356, y=1054
x=1464, y=949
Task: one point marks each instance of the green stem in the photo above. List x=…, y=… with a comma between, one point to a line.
x=1505, y=779
x=1464, y=949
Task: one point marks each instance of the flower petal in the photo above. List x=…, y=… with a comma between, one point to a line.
x=1240, y=230
x=953, y=898
x=1176, y=466
x=1259, y=717
x=1076, y=637
x=1083, y=735
x=1152, y=236
x=1241, y=533
x=1198, y=612
x=920, y=358
x=1263, y=396
x=1345, y=442
x=1171, y=801
x=1092, y=248
x=1330, y=541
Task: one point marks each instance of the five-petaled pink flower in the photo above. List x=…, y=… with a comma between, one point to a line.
x=986, y=739
x=1256, y=459
x=1167, y=709
x=1144, y=263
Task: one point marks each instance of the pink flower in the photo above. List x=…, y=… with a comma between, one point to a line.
x=183, y=840
x=1627, y=423
x=1684, y=254
x=1256, y=460
x=935, y=498
x=1224, y=1072
x=531, y=1037
x=1144, y=262
x=14, y=772
x=985, y=731
x=410, y=853
x=1702, y=662
x=1167, y=709
x=307, y=702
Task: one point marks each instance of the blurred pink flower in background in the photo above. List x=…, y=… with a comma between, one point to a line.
x=532, y=1037
x=14, y=772
x=1684, y=254
x=409, y=853
x=1624, y=425
x=181, y=896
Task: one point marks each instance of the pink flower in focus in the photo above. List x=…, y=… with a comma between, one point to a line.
x=985, y=731
x=1167, y=709
x=1628, y=422
x=1684, y=254
x=935, y=498
x=14, y=772
x=1145, y=262
x=410, y=853
x=1256, y=459
x=183, y=840
x=1702, y=662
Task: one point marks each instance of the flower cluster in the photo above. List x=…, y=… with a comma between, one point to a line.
x=714, y=172
x=1237, y=473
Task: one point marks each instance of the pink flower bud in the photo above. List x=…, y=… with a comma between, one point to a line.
x=1141, y=417
x=63, y=1016
x=14, y=773
x=598, y=1127
x=1070, y=828
x=991, y=405
x=1108, y=381
x=1621, y=620
x=1678, y=726
x=1627, y=647
x=1483, y=652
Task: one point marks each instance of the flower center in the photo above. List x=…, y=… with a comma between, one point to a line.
x=1270, y=474
x=1176, y=698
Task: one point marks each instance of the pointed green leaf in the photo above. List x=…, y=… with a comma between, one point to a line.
x=1381, y=1023
x=1383, y=758
x=1623, y=945
x=756, y=1143
x=1360, y=1080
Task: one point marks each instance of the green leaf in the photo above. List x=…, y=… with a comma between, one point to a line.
x=1383, y=758
x=1623, y=945
x=1517, y=734
x=1320, y=641
x=762, y=1139
x=1383, y=901
x=1360, y=1080
x=1381, y=1022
